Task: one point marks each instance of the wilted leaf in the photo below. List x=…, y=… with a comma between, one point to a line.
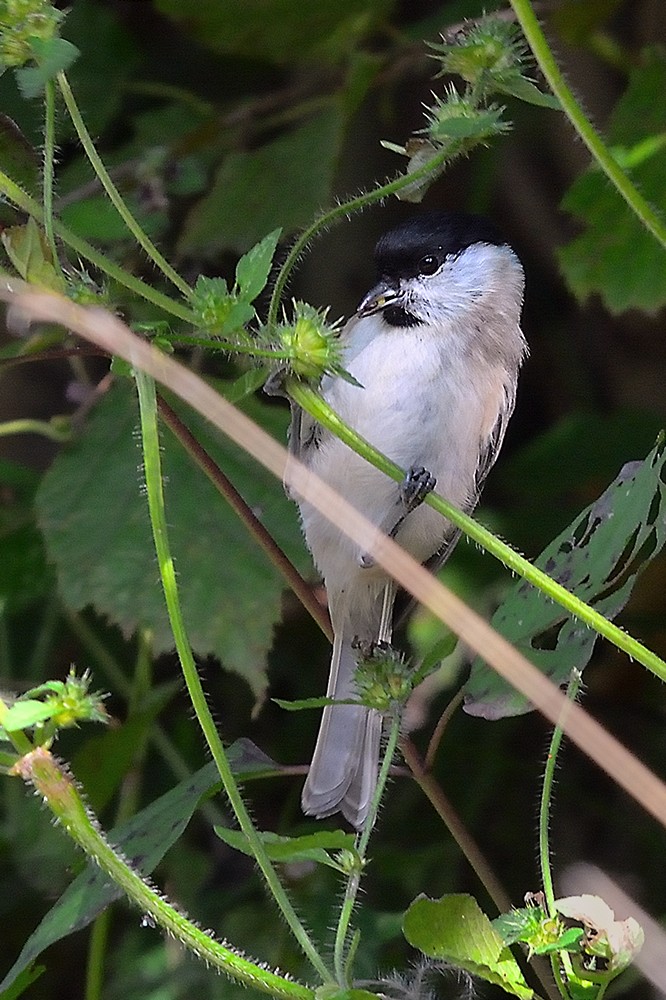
x=456, y=930
x=615, y=255
x=616, y=941
x=27, y=249
x=95, y=523
x=597, y=558
x=281, y=184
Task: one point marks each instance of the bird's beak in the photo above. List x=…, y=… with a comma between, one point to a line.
x=385, y=293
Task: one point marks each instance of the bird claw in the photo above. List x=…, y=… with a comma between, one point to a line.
x=416, y=486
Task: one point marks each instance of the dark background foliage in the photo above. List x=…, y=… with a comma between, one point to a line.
x=221, y=121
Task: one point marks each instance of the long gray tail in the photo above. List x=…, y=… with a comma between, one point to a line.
x=343, y=773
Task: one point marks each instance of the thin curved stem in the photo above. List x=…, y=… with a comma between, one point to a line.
x=49, y=167
x=313, y=403
x=354, y=881
x=573, y=688
x=112, y=191
x=572, y=109
x=153, y=472
x=46, y=428
x=15, y=194
x=342, y=210
x=50, y=779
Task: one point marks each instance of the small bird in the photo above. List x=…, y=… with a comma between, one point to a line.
x=435, y=348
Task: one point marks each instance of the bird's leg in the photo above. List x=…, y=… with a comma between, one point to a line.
x=385, y=631
x=413, y=490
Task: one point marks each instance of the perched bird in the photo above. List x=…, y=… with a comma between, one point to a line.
x=435, y=347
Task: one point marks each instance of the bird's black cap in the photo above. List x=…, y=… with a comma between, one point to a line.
x=400, y=251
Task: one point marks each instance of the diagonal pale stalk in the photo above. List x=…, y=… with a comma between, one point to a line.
x=154, y=488
x=313, y=403
x=50, y=779
x=547, y=64
x=112, y=336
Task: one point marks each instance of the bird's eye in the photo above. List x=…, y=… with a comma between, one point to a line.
x=429, y=264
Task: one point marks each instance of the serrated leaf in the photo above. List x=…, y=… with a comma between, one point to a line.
x=104, y=555
x=616, y=256
x=598, y=558
x=456, y=930
x=254, y=267
x=310, y=847
x=52, y=55
x=283, y=183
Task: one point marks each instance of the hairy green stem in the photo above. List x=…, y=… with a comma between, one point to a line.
x=15, y=194
x=351, y=891
x=40, y=769
x=343, y=210
x=573, y=688
x=313, y=403
x=49, y=167
x=153, y=472
x=112, y=191
x=548, y=66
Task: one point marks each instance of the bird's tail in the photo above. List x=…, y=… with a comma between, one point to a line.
x=343, y=773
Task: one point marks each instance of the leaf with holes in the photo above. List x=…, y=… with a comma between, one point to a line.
x=598, y=558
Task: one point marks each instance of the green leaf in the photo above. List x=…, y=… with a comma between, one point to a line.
x=278, y=31
x=22, y=982
x=51, y=55
x=25, y=575
x=456, y=930
x=283, y=183
x=143, y=840
x=27, y=249
x=303, y=704
x=598, y=557
x=25, y=714
x=104, y=554
x=254, y=267
x=527, y=91
x=311, y=847
x=19, y=160
x=615, y=255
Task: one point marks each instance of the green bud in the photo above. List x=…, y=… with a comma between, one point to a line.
x=22, y=22
x=311, y=342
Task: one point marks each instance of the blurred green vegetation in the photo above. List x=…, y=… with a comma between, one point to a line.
x=220, y=121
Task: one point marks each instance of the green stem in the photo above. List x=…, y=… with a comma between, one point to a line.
x=229, y=346
x=60, y=793
x=46, y=428
x=341, y=211
x=573, y=688
x=18, y=197
x=49, y=167
x=97, y=944
x=153, y=472
x=313, y=404
x=112, y=191
x=548, y=66
x=351, y=891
